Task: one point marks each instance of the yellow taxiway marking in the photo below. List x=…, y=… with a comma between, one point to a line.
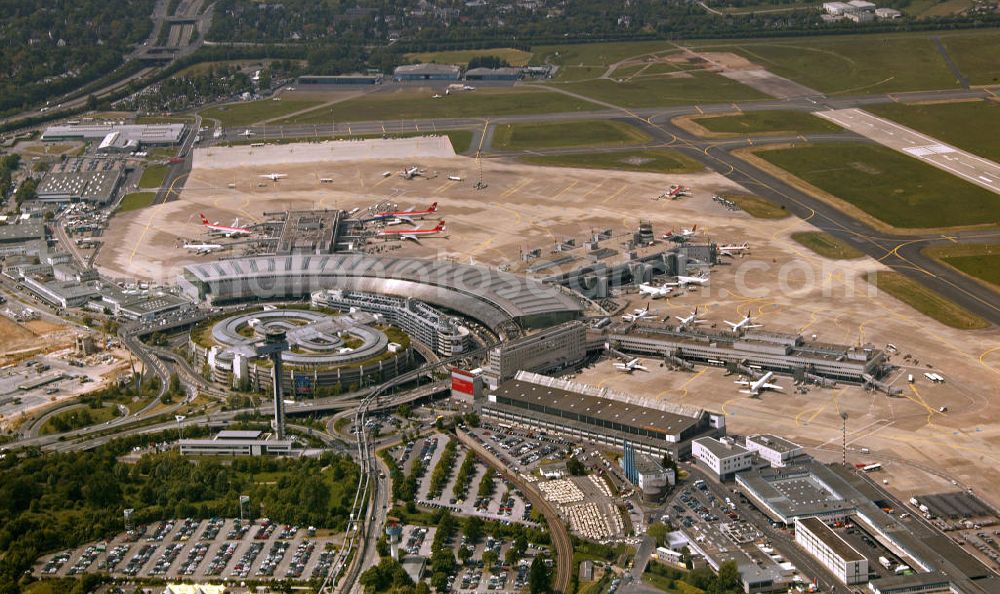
x=381, y=181
x=514, y=189
x=444, y=186
x=615, y=195
x=571, y=185
x=592, y=190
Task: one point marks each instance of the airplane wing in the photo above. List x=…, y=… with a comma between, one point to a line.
x=749, y=392
x=406, y=218
x=772, y=387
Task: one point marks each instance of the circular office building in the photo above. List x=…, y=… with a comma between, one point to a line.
x=327, y=353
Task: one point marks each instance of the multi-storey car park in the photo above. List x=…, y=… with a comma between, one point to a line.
x=599, y=415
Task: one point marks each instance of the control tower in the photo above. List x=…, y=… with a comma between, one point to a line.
x=394, y=532
x=274, y=344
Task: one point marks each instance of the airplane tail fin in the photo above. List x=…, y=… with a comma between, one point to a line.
x=204, y=220
x=440, y=226
x=693, y=229
x=433, y=207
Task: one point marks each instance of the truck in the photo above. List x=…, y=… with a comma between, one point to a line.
x=885, y=562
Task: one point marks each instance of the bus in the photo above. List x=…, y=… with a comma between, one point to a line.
x=872, y=467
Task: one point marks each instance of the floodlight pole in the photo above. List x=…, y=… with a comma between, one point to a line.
x=843, y=417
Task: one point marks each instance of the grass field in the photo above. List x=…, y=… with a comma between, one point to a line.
x=559, y=134
x=76, y=418
x=244, y=114
x=757, y=207
x=590, y=60
x=649, y=161
x=826, y=245
x=971, y=126
x=410, y=103
x=153, y=176
x=872, y=63
x=896, y=189
x=758, y=122
x=979, y=260
x=926, y=301
x=135, y=201
x=694, y=87
x=514, y=57
x=976, y=56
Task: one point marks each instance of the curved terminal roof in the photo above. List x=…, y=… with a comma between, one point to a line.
x=487, y=295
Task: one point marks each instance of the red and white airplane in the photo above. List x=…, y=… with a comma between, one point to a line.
x=412, y=234
x=405, y=215
x=233, y=231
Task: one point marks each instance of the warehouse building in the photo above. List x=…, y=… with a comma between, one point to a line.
x=797, y=491
x=723, y=456
x=843, y=560
x=931, y=582
x=75, y=179
x=504, y=74
x=552, y=349
x=411, y=72
x=598, y=415
x=777, y=451
x=310, y=81
x=62, y=294
x=141, y=134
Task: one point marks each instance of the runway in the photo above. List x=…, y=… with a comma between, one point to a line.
x=962, y=164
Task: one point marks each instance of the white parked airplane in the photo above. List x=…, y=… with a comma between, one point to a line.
x=437, y=96
x=203, y=248
x=248, y=133
x=630, y=366
x=734, y=249
x=639, y=314
x=691, y=319
x=743, y=324
x=454, y=178
x=274, y=176
x=411, y=173
x=413, y=234
x=683, y=281
x=757, y=386
x=654, y=291
x=468, y=88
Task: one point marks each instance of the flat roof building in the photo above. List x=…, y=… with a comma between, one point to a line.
x=551, y=349
x=22, y=232
x=310, y=80
x=62, y=294
x=237, y=443
x=795, y=491
x=427, y=72
x=917, y=583
x=149, y=308
x=494, y=74
x=777, y=451
x=143, y=134
x=599, y=415
x=832, y=551
x=92, y=180
x=724, y=457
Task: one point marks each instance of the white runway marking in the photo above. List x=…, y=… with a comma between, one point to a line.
x=965, y=165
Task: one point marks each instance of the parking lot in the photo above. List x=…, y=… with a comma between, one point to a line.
x=504, y=503
x=202, y=550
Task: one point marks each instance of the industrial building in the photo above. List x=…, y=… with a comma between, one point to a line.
x=142, y=134
x=75, y=179
x=931, y=582
x=148, y=308
x=723, y=456
x=832, y=551
x=777, y=451
x=766, y=351
x=411, y=72
x=505, y=74
x=309, y=232
x=552, y=349
x=445, y=335
x=599, y=415
x=20, y=233
x=797, y=491
x=62, y=294
x=493, y=298
x=310, y=81
x=237, y=443
x=649, y=477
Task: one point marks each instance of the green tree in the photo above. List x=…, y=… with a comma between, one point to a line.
x=490, y=558
x=473, y=529
x=575, y=467
x=686, y=557
x=728, y=579
x=539, y=577
x=658, y=531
